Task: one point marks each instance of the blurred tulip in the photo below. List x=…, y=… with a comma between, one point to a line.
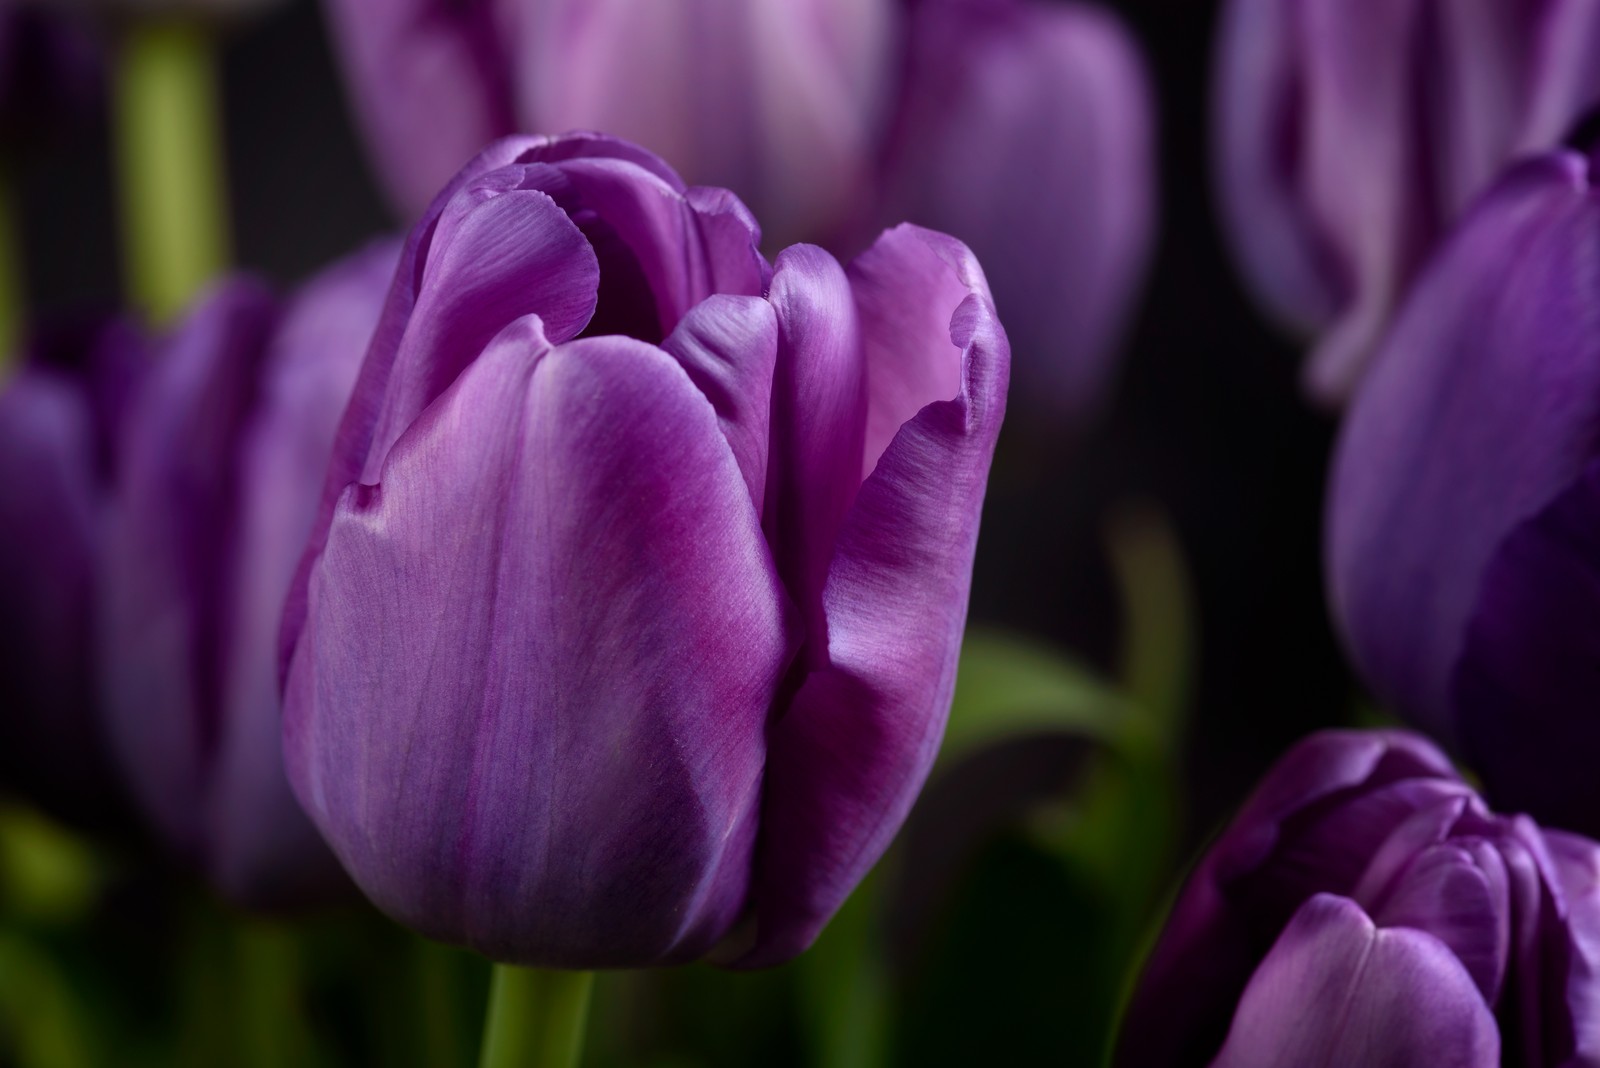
x=1463, y=540
x=1350, y=134
x=634, y=605
x=1025, y=130
x=1364, y=907
x=1020, y=126
x=59, y=415
x=222, y=463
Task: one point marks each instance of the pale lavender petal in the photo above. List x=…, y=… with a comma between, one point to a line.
x=1336, y=990
x=1457, y=892
x=479, y=720
x=1025, y=131
x=1479, y=410
x=850, y=753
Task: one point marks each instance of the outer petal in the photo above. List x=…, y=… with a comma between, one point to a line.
x=780, y=102
x=1575, y=866
x=538, y=663
x=849, y=755
x=1213, y=939
x=430, y=85
x=1481, y=408
x=1565, y=81
x=262, y=847
x=1336, y=990
x=167, y=596
x=1026, y=132
x=1525, y=691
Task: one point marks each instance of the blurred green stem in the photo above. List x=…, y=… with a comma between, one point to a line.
x=12, y=302
x=169, y=158
x=536, y=1018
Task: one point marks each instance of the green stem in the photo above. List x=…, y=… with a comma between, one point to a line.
x=12, y=303
x=536, y=1018
x=169, y=155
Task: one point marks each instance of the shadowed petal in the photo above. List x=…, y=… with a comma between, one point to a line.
x=538, y=663
x=851, y=752
x=1527, y=678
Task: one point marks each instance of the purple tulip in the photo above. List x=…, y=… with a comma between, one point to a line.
x=631, y=620
x=1366, y=908
x=1463, y=544
x=59, y=414
x=1020, y=126
x=1350, y=134
x=223, y=461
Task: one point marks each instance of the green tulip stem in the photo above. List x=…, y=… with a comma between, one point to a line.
x=168, y=145
x=12, y=302
x=536, y=1018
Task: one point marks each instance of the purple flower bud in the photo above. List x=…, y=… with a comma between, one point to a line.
x=59, y=414
x=1352, y=133
x=634, y=604
x=223, y=460
x=1365, y=907
x=1463, y=543
x=1022, y=127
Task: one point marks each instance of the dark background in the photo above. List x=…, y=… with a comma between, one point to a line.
x=1208, y=422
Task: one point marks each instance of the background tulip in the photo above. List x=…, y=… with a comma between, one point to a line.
x=59, y=416
x=1350, y=136
x=223, y=458
x=634, y=605
x=1364, y=907
x=1020, y=126
x=1461, y=543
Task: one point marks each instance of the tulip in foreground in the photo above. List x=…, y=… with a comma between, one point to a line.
x=222, y=461
x=1463, y=521
x=1366, y=908
x=630, y=623
x=1351, y=134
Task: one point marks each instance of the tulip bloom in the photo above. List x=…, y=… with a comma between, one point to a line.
x=634, y=606
x=223, y=458
x=60, y=414
x=1364, y=907
x=1463, y=543
x=1022, y=127
x=1350, y=135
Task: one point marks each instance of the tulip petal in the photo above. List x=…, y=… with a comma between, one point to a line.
x=1479, y=410
x=849, y=755
x=1026, y=133
x=1528, y=675
x=263, y=849
x=1575, y=864
x=819, y=405
x=1566, y=82
x=1406, y=1001
x=167, y=594
x=1215, y=933
x=729, y=346
x=538, y=663
x=1457, y=892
